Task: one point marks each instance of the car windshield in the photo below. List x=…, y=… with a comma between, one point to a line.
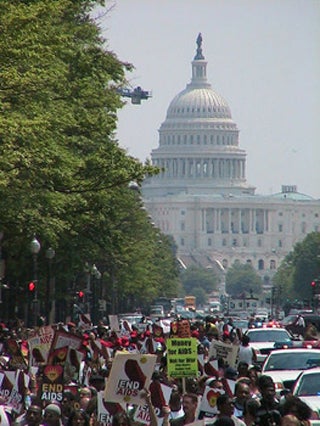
x=240, y=323
x=271, y=335
x=289, y=319
x=292, y=361
x=309, y=385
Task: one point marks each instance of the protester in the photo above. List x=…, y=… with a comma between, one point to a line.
x=242, y=394
x=238, y=389
x=246, y=353
x=225, y=406
x=78, y=418
x=189, y=405
x=253, y=374
x=298, y=408
x=52, y=415
x=32, y=417
x=175, y=404
x=268, y=412
x=251, y=407
x=121, y=419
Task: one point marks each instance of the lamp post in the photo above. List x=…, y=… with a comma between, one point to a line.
x=35, y=247
x=91, y=293
x=51, y=288
x=96, y=274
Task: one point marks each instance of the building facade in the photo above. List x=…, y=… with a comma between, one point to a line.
x=202, y=197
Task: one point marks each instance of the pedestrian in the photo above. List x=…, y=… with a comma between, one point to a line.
x=189, y=405
x=246, y=353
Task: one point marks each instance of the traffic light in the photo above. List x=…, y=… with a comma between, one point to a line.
x=80, y=295
x=315, y=286
x=31, y=287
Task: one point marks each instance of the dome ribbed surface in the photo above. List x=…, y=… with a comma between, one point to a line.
x=197, y=103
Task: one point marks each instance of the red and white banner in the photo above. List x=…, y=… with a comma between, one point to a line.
x=129, y=375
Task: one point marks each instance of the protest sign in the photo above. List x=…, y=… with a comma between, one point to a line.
x=114, y=323
x=180, y=328
x=52, y=384
x=63, y=339
x=182, y=357
x=106, y=410
x=39, y=345
x=209, y=401
x=227, y=351
x=13, y=385
x=160, y=396
x=129, y=375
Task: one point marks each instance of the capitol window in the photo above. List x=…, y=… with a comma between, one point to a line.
x=272, y=264
x=261, y=265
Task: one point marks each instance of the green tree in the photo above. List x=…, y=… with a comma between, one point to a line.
x=300, y=267
x=242, y=278
x=199, y=280
x=63, y=175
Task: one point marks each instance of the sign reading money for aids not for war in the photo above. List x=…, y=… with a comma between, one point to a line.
x=129, y=375
x=182, y=357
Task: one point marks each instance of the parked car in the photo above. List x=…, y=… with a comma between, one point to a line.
x=264, y=340
x=307, y=388
x=285, y=365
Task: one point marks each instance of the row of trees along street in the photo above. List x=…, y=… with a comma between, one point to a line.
x=63, y=176
x=65, y=179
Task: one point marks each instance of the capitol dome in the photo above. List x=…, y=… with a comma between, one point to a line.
x=198, y=99
x=199, y=142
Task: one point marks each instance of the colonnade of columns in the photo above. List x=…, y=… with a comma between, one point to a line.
x=201, y=168
x=235, y=220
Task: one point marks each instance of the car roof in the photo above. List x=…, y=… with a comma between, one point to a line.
x=295, y=350
x=314, y=370
x=270, y=329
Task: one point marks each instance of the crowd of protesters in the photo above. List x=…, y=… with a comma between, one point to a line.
x=55, y=374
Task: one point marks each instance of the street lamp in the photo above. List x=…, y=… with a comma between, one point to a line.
x=96, y=274
x=35, y=247
x=51, y=301
x=92, y=271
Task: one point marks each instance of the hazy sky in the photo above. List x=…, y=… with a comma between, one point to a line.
x=263, y=58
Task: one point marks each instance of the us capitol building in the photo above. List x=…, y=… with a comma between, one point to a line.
x=202, y=197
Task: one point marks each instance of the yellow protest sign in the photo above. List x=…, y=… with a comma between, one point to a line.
x=182, y=357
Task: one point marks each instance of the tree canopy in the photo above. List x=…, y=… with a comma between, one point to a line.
x=300, y=267
x=199, y=282
x=242, y=278
x=63, y=175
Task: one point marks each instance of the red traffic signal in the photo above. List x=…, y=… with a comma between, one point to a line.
x=31, y=286
x=313, y=284
x=80, y=295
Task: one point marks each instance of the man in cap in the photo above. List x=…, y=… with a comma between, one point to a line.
x=52, y=415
